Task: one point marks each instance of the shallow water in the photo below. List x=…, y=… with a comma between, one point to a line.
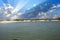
x=30, y=31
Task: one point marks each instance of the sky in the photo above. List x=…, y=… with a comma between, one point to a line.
x=23, y=4
x=14, y=6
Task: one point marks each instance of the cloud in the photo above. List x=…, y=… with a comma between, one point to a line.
x=19, y=6
x=54, y=6
x=14, y=17
x=19, y=14
x=8, y=15
x=58, y=5
x=34, y=5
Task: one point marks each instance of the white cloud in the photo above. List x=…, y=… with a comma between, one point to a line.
x=34, y=5
x=51, y=10
x=19, y=6
x=9, y=6
x=28, y=8
x=39, y=14
x=8, y=15
x=58, y=5
x=54, y=6
x=55, y=16
x=14, y=17
x=19, y=14
x=5, y=12
x=42, y=15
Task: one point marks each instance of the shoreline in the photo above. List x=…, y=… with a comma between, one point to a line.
x=28, y=21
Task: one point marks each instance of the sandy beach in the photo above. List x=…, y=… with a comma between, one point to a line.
x=26, y=21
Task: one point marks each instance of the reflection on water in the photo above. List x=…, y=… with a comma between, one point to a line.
x=30, y=31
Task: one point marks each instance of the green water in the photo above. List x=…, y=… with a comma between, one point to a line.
x=30, y=31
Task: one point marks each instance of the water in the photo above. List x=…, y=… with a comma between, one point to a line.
x=30, y=31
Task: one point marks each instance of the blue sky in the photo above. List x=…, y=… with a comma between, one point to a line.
x=22, y=6
x=29, y=4
x=26, y=4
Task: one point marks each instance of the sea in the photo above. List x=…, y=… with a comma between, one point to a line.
x=30, y=31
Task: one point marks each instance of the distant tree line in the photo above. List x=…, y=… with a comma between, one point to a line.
x=58, y=18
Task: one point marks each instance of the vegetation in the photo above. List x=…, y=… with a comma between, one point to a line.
x=29, y=19
x=58, y=18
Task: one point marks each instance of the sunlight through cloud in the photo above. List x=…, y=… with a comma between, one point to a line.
x=19, y=6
